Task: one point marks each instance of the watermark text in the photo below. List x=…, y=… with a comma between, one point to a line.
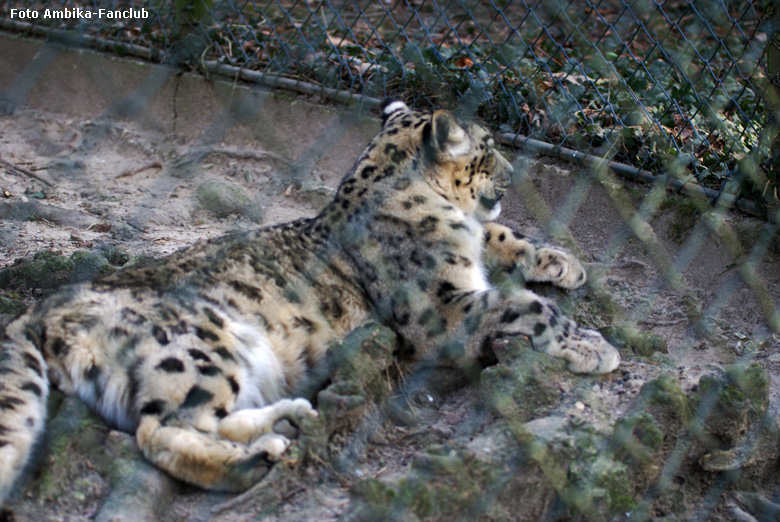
x=71, y=13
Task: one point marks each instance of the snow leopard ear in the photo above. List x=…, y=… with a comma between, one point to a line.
x=391, y=106
x=444, y=138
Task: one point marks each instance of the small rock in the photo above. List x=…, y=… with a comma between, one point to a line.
x=775, y=357
x=88, y=265
x=66, y=167
x=546, y=428
x=318, y=195
x=222, y=199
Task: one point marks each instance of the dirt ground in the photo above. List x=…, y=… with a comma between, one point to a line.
x=128, y=190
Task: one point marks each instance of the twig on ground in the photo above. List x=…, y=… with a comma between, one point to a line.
x=248, y=154
x=133, y=172
x=22, y=170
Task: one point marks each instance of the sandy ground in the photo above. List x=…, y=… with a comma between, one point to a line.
x=113, y=184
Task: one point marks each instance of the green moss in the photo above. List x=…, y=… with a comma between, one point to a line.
x=748, y=233
x=726, y=393
x=524, y=387
x=79, y=255
x=73, y=433
x=378, y=500
x=121, y=468
x=594, y=484
x=358, y=381
x=362, y=358
x=753, y=382
x=665, y=391
x=47, y=270
x=596, y=310
x=638, y=438
x=89, y=264
x=50, y=270
x=116, y=256
x=222, y=199
x=643, y=344
x=608, y=487
x=10, y=306
x=663, y=359
x=727, y=403
x=686, y=212
x=286, y=96
x=692, y=307
x=439, y=487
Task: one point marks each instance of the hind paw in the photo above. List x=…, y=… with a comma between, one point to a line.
x=588, y=352
x=272, y=444
x=247, y=425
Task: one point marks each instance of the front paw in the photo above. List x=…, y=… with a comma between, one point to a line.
x=558, y=267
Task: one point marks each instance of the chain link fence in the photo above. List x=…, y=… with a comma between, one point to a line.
x=673, y=87
x=672, y=93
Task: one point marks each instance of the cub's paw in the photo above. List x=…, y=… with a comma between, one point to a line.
x=559, y=267
x=588, y=352
x=272, y=445
x=247, y=425
x=294, y=409
x=292, y=415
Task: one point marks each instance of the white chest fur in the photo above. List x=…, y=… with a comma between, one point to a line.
x=261, y=376
x=472, y=241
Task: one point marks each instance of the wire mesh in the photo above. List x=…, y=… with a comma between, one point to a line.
x=672, y=87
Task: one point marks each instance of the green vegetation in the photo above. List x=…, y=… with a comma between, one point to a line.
x=48, y=270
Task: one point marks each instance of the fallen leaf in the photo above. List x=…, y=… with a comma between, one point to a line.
x=338, y=41
x=101, y=227
x=464, y=62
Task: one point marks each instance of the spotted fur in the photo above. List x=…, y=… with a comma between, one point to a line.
x=201, y=352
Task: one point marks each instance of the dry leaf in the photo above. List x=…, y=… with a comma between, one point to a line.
x=338, y=41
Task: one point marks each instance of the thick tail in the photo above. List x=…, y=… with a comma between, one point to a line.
x=234, y=457
x=23, y=393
